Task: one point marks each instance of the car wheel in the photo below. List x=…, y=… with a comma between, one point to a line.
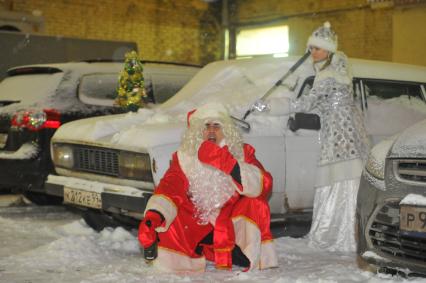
x=98, y=220
x=43, y=199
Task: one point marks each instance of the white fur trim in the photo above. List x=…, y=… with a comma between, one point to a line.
x=189, y=165
x=165, y=206
x=262, y=255
x=252, y=180
x=268, y=255
x=173, y=261
x=210, y=110
x=186, y=163
x=322, y=43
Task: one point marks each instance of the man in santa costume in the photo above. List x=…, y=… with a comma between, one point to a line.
x=211, y=203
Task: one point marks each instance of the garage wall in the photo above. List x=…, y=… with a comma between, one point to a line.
x=389, y=30
x=164, y=30
x=409, y=36
x=190, y=30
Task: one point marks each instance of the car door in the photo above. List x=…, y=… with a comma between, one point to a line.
x=301, y=151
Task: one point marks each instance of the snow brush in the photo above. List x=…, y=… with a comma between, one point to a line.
x=280, y=81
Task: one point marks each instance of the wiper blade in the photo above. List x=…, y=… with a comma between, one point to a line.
x=8, y=102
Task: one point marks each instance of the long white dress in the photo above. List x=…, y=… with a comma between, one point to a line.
x=344, y=147
x=333, y=219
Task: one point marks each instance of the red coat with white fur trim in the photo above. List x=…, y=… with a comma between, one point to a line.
x=181, y=233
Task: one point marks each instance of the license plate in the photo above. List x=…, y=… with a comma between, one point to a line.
x=83, y=198
x=412, y=218
x=3, y=139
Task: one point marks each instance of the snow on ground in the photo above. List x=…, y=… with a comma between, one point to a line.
x=55, y=245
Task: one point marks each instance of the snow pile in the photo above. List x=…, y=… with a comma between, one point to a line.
x=398, y=114
x=119, y=240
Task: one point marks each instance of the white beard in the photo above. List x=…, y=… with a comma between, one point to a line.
x=209, y=190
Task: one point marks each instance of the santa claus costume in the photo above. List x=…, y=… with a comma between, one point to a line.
x=212, y=201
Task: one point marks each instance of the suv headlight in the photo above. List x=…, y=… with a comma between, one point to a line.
x=63, y=156
x=375, y=167
x=135, y=166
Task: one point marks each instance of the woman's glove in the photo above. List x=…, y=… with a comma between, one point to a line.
x=147, y=234
x=216, y=156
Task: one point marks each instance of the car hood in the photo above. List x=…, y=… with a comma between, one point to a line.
x=131, y=131
x=411, y=142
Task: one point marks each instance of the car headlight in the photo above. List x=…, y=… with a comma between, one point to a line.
x=63, y=156
x=135, y=166
x=375, y=167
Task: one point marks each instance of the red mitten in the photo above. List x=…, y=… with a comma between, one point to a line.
x=216, y=156
x=147, y=234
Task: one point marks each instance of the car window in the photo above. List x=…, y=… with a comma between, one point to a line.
x=164, y=86
x=389, y=89
x=96, y=88
x=101, y=88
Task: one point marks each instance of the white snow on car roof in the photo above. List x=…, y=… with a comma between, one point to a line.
x=237, y=84
x=58, y=90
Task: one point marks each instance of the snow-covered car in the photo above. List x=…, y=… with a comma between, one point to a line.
x=391, y=207
x=111, y=164
x=35, y=100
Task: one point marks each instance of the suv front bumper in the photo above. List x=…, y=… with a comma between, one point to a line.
x=97, y=195
x=380, y=241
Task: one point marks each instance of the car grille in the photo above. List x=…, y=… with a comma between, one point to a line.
x=385, y=235
x=413, y=170
x=96, y=160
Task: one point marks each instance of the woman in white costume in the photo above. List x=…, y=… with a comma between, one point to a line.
x=343, y=140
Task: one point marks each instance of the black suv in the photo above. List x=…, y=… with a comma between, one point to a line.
x=35, y=100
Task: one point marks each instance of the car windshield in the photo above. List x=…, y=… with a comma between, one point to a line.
x=30, y=88
x=388, y=90
x=234, y=83
x=99, y=86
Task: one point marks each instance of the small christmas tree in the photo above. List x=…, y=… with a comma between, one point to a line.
x=131, y=88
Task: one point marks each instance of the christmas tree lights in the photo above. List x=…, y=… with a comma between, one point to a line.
x=131, y=93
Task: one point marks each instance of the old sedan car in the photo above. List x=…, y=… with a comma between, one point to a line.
x=111, y=164
x=35, y=100
x=391, y=209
